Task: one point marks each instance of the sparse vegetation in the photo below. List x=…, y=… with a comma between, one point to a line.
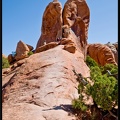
x=30, y=53
x=5, y=63
x=104, y=91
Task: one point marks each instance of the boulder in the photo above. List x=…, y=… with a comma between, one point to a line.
x=101, y=53
x=46, y=47
x=51, y=23
x=70, y=48
x=21, y=51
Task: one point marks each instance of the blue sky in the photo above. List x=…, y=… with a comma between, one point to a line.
x=21, y=20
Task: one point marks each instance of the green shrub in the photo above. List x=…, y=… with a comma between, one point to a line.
x=79, y=105
x=30, y=53
x=5, y=63
x=90, y=62
x=104, y=91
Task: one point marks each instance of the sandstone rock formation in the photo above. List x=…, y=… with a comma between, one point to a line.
x=76, y=15
x=102, y=54
x=21, y=51
x=10, y=58
x=46, y=47
x=70, y=48
x=114, y=50
x=43, y=86
x=116, y=45
x=51, y=23
x=30, y=47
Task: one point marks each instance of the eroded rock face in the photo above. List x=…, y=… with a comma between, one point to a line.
x=30, y=47
x=21, y=51
x=10, y=58
x=76, y=15
x=116, y=45
x=70, y=48
x=57, y=23
x=43, y=86
x=114, y=48
x=102, y=54
x=51, y=23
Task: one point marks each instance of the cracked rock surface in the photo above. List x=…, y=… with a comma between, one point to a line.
x=43, y=86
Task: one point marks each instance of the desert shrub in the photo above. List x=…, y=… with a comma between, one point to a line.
x=90, y=62
x=79, y=105
x=111, y=67
x=30, y=53
x=104, y=91
x=5, y=63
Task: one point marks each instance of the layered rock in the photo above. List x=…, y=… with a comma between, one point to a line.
x=21, y=51
x=114, y=49
x=43, y=86
x=51, y=23
x=46, y=47
x=102, y=54
x=76, y=15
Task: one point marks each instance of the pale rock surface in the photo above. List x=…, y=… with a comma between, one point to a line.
x=21, y=51
x=101, y=53
x=43, y=86
x=6, y=71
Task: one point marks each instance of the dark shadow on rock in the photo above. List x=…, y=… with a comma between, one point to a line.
x=67, y=108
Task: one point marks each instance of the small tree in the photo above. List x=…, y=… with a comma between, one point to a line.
x=104, y=91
